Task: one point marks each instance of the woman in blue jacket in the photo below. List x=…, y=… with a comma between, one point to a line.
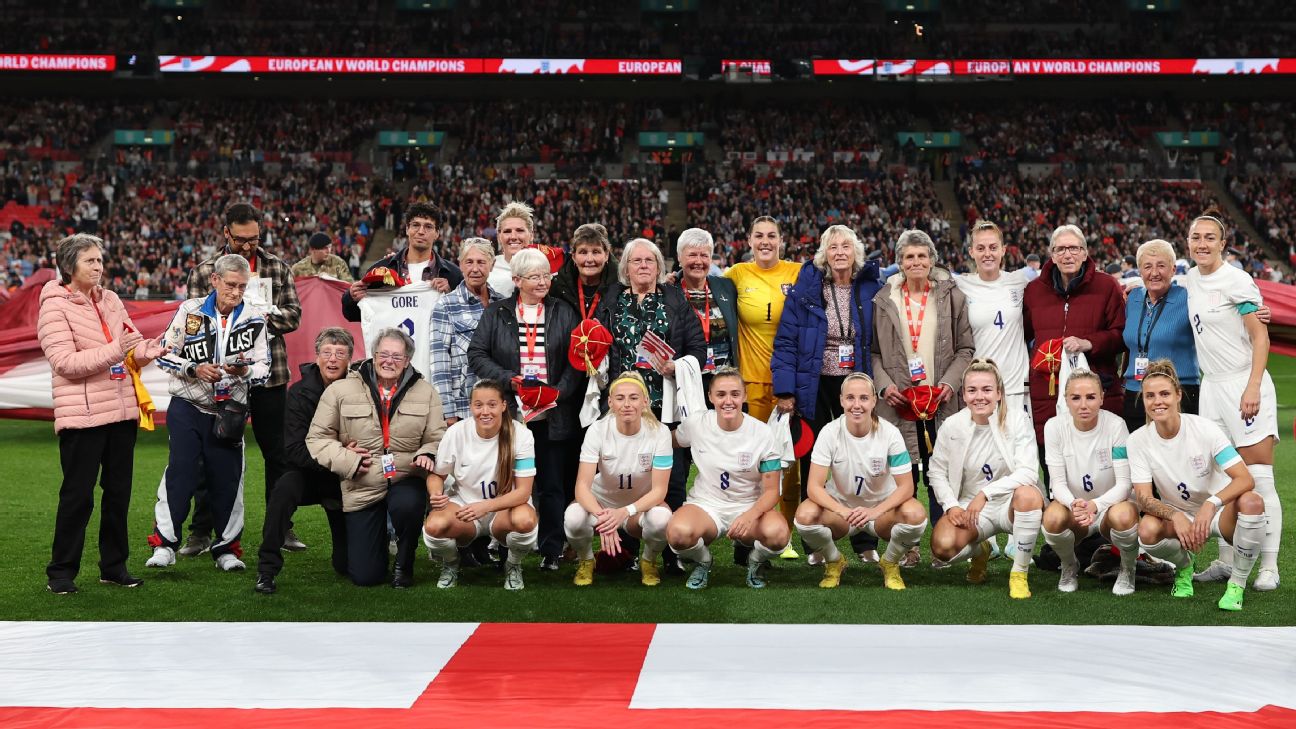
x=826, y=331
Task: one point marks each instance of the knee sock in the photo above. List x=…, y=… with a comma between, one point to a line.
x=1126, y=540
x=1063, y=543
x=578, y=526
x=447, y=550
x=653, y=523
x=1026, y=529
x=1170, y=550
x=903, y=538
x=1264, y=486
x=520, y=545
x=696, y=553
x=1248, y=536
x=819, y=538
x=761, y=553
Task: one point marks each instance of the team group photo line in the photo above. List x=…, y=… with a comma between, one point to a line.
x=527, y=398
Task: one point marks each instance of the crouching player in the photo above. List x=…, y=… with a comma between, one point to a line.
x=493, y=463
x=625, y=466
x=737, y=485
x=1204, y=487
x=872, y=489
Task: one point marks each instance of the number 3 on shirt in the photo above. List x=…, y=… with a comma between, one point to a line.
x=724, y=480
x=1183, y=491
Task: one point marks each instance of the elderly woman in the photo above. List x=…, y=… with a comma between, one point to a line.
x=378, y=429
x=454, y=320
x=825, y=333
x=924, y=337
x=1157, y=327
x=643, y=303
x=91, y=344
x=521, y=343
x=514, y=230
x=584, y=276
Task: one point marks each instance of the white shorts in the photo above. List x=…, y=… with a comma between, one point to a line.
x=1215, y=522
x=722, y=514
x=995, y=518
x=483, y=524
x=1219, y=399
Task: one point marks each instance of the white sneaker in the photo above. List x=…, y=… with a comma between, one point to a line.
x=815, y=558
x=868, y=556
x=1070, y=579
x=1124, y=583
x=449, y=575
x=1217, y=572
x=162, y=557
x=229, y=563
x=292, y=543
x=1010, y=548
x=1266, y=580
x=995, y=552
x=513, y=576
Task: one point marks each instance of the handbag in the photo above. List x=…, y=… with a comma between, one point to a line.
x=231, y=418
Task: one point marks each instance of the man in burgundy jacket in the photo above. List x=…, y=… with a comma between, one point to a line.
x=1075, y=301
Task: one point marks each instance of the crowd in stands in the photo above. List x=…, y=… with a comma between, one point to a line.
x=34, y=128
x=1257, y=133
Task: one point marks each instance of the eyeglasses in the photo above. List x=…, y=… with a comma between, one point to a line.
x=249, y=240
x=385, y=357
x=1067, y=250
x=537, y=278
x=429, y=227
x=343, y=356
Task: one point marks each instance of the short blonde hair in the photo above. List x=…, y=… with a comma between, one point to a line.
x=835, y=232
x=1155, y=247
x=481, y=245
x=517, y=210
x=623, y=266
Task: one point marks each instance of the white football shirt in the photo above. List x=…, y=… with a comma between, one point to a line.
x=471, y=459
x=982, y=464
x=625, y=462
x=1216, y=305
x=861, y=468
x=408, y=308
x=1090, y=465
x=729, y=463
x=995, y=313
x=1186, y=469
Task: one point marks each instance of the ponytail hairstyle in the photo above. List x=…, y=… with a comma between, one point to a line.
x=1162, y=368
x=504, y=444
x=862, y=377
x=1212, y=215
x=1084, y=374
x=985, y=364
x=726, y=372
x=649, y=420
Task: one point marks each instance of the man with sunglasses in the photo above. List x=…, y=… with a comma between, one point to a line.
x=271, y=290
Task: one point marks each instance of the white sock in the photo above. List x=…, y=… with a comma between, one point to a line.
x=761, y=553
x=1026, y=529
x=1126, y=540
x=447, y=550
x=965, y=553
x=653, y=523
x=903, y=538
x=1264, y=485
x=696, y=553
x=1170, y=550
x=1064, y=544
x=1225, y=551
x=520, y=545
x=819, y=539
x=578, y=526
x=1248, y=535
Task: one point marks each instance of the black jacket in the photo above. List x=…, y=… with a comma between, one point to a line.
x=683, y=331
x=437, y=267
x=568, y=278
x=494, y=354
x=299, y=409
x=725, y=294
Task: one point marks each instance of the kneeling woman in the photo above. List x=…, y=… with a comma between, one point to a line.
x=737, y=484
x=1089, y=477
x=492, y=460
x=625, y=467
x=1204, y=486
x=872, y=490
x=985, y=472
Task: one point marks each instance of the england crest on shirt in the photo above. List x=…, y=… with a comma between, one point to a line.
x=1199, y=466
x=645, y=461
x=1015, y=295
x=875, y=465
x=785, y=288
x=745, y=460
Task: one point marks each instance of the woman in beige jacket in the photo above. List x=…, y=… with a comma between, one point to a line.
x=923, y=338
x=378, y=429
x=87, y=337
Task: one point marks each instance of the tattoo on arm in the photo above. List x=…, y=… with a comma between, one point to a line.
x=1152, y=506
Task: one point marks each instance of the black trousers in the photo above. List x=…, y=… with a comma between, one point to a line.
x=1135, y=417
x=266, y=405
x=550, y=494
x=366, y=532
x=106, y=454
x=298, y=488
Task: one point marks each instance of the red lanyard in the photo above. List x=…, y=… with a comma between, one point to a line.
x=586, y=313
x=386, y=398
x=705, y=316
x=102, y=322
x=915, y=331
x=252, y=263
x=531, y=330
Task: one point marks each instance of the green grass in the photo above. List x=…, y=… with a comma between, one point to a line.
x=310, y=591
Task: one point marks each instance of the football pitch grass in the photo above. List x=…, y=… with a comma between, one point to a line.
x=194, y=590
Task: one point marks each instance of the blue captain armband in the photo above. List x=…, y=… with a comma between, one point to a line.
x=1227, y=457
x=899, y=460
x=1247, y=307
x=662, y=463
x=1119, y=453
x=768, y=466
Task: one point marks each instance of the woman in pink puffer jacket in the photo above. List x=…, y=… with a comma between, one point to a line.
x=86, y=335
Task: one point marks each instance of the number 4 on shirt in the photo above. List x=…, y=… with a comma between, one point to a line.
x=998, y=320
